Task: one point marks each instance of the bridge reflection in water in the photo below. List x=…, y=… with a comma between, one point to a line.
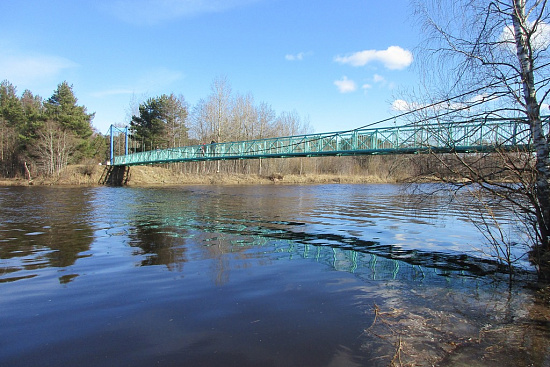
x=467, y=137
x=369, y=260
x=374, y=261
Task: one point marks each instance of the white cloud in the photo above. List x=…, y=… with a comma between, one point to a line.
x=298, y=57
x=540, y=40
x=478, y=98
x=381, y=82
x=401, y=105
x=345, y=85
x=378, y=78
x=393, y=58
x=28, y=69
x=404, y=106
x=154, y=11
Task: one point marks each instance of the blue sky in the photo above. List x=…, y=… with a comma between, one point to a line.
x=339, y=63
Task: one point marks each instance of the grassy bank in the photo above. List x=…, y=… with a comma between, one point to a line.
x=91, y=175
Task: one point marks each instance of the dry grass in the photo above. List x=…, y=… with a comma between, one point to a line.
x=90, y=175
x=156, y=175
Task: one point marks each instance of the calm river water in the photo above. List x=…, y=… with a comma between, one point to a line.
x=272, y=275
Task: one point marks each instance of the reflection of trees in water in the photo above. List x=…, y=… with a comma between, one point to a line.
x=47, y=228
x=228, y=252
x=159, y=244
x=163, y=244
x=218, y=249
x=226, y=222
x=68, y=242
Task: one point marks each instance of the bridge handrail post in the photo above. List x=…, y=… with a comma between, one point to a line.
x=112, y=148
x=126, y=140
x=396, y=143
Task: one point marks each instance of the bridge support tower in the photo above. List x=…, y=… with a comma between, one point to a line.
x=113, y=130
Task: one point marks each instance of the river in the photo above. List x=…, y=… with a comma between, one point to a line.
x=258, y=275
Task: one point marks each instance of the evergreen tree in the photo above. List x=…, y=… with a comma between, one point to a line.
x=45, y=136
x=161, y=122
x=11, y=119
x=11, y=110
x=33, y=108
x=61, y=107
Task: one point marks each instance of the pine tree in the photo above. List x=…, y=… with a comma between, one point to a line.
x=161, y=122
x=11, y=118
x=61, y=107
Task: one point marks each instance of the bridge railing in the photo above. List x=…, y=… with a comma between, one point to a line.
x=473, y=136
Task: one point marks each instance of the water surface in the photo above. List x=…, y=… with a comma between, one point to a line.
x=274, y=275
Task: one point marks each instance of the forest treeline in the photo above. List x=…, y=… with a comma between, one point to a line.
x=43, y=136
x=40, y=137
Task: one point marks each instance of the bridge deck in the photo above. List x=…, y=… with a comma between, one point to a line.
x=474, y=136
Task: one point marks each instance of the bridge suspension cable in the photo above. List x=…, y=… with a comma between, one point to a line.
x=296, y=141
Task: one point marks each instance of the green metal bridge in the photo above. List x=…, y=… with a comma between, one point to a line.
x=466, y=137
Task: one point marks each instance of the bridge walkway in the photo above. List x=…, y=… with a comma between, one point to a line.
x=469, y=137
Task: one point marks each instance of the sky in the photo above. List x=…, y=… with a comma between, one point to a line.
x=340, y=64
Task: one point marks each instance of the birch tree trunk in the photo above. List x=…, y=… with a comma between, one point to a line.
x=489, y=59
x=525, y=57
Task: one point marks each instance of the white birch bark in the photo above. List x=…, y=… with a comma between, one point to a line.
x=525, y=57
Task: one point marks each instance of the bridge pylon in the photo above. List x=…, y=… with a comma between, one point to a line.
x=112, y=131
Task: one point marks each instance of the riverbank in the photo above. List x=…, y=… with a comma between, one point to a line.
x=91, y=175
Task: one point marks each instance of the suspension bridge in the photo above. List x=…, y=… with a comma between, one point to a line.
x=482, y=135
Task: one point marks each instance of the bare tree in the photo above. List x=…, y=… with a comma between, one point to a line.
x=223, y=117
x=266, y=117
x=201, y=125
x=491, y=57
x=290, y=123
x=176, y=112
x=221, y=102
x=244, y=117
x=54, y=147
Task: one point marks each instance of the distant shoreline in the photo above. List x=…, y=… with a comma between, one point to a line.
x=81, y=175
